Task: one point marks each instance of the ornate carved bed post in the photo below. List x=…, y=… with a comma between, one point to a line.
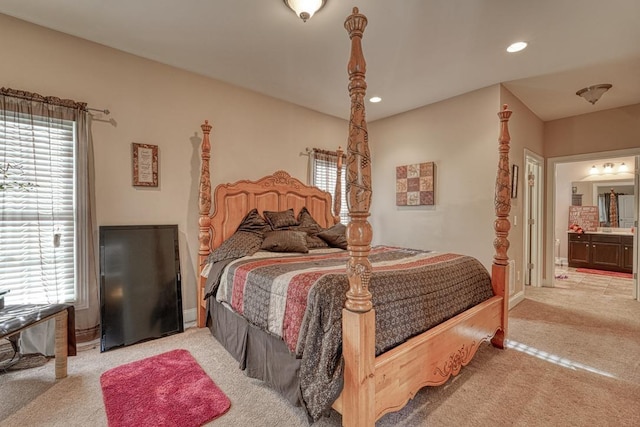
x=204, y=205
x=358, y=317
x=359, y=233
x=502, y=224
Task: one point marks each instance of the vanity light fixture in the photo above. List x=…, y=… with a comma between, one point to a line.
x=305, y=9
x=608, y=168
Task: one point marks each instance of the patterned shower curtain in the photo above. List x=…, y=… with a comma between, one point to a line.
x=613, y=209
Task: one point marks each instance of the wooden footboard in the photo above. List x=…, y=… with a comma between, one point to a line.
x=431, y=358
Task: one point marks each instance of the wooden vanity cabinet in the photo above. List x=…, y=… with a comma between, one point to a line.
x=627, y=253
x=612, y=252
x=606, y=252
x=579, y=254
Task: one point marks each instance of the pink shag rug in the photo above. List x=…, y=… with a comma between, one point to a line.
x=169, y=389
x=605, y=273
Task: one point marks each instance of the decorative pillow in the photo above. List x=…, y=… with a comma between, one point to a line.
x=281, y=219
x=241, y=243
x=312, y=228
x=245, y=241
x=285, y=241
x=253, y=223
x=315, y=242
x=306, y=220
x=335, y=236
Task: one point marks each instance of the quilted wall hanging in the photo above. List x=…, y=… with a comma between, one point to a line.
x=415, y=184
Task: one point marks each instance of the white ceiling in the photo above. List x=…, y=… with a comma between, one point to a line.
x=417, y=51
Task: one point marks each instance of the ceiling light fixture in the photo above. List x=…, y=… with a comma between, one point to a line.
x=516, y=47
x=305, y=9
x=375, y=99
x=593, y=170
x=593, y=93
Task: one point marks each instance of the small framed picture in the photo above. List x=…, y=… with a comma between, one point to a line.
x=514, y=181
x=145, y=165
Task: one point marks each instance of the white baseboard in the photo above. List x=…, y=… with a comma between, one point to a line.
x=189, y=317
x=562, y=262
x=516, y=299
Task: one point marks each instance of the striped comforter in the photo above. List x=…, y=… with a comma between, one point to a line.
x=299, y=297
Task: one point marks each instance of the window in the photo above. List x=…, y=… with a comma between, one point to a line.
x=324, y=173
x=39, y=209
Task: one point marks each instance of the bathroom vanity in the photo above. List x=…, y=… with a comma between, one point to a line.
x=602, y=250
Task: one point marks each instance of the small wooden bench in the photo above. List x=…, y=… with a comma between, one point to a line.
x=16, y=318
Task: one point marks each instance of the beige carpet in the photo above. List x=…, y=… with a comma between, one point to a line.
x=575, y=361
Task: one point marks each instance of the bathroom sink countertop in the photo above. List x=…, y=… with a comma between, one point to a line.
x=614, y=231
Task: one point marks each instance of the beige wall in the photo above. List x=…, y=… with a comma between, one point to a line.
x=465, y=155
x=151, y=103
x=460, y=135
x=527, y=131
x=615, y=129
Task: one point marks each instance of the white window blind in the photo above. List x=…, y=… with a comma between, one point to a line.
x=37, y=223
x=324, y=177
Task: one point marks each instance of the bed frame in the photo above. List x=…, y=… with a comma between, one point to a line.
x=373, y=386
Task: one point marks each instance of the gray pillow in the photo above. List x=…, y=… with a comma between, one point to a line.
x=335, y=236
x=312, y=228
x=308, y=222
x=253, y=223
x=241, y=243
x=285, y=241
x=315, y=242
x=245, y=241
x=280, y=219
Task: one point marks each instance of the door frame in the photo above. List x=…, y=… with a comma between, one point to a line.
x=533, y=210
x=552, y=163
x=636, y=251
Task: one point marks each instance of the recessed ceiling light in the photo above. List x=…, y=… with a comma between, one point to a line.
x=516, y=47
x=375, y=99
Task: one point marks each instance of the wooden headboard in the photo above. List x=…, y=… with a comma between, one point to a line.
x=276, y=192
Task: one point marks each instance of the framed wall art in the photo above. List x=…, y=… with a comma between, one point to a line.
x=145, y=165
x=415, y=184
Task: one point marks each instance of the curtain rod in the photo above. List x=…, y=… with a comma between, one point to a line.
x=307, y=152
x=53, y=100
x=321, y=151
x=104, y=111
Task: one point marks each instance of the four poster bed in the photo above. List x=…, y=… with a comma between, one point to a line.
x=342, y=325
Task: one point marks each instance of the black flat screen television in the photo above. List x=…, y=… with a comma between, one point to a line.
x=140, y=284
